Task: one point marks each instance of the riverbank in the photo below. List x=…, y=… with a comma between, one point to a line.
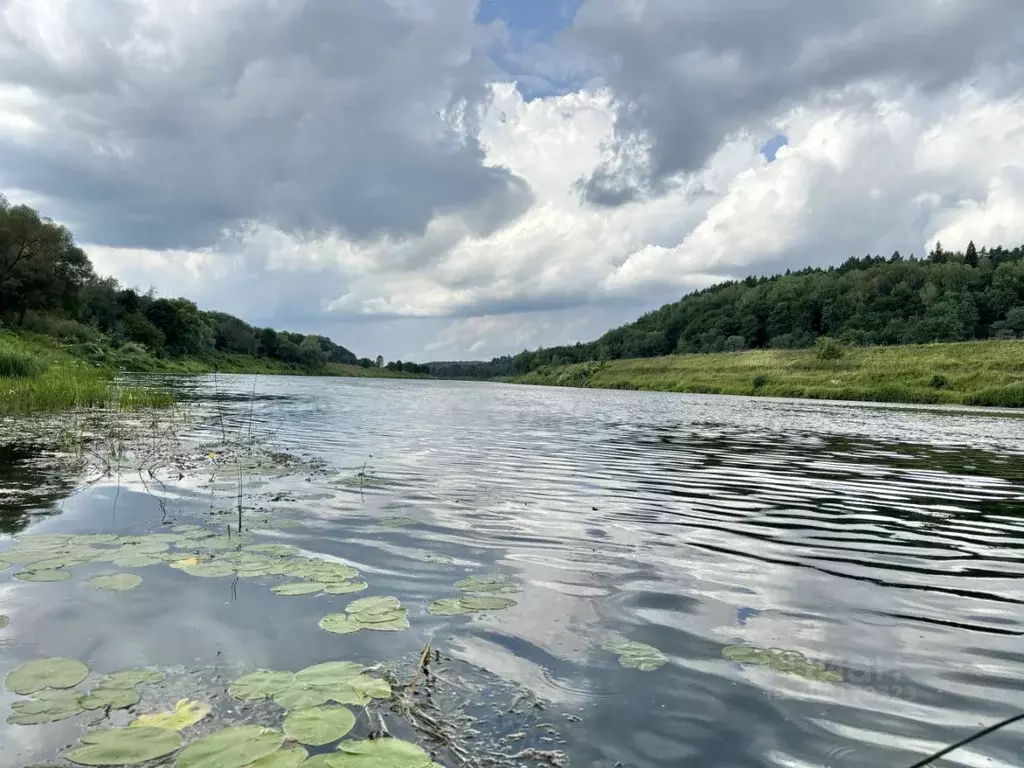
x=969, y=373
x=39, y=373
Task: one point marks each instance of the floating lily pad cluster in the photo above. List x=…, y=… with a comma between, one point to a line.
x=782, y=660
x=486, y=587
x=379, y=613
x=341, y=682
x=634, y=655
x=193, y=549
x=493, y=584
x=50, y=683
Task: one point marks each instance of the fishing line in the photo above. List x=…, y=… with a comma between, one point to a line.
x=968, y=740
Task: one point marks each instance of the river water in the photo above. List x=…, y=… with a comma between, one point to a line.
x=884, y=543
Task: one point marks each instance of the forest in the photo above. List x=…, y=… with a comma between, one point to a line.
x=48, y=286
x=948, y=296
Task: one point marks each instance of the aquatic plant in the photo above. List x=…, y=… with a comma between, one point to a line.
x=457, y=606
x=124, y=746
x=116, y=582
x=185, y=713
x=380, y=753
x=38, y=674
x=378, y=613
x=318, y=726
x=46, y=706
x=231, y=748
x=634, y=655
x=493, y=583
x=261, y=684
x=782, y=660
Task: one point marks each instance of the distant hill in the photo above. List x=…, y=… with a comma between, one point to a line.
x=950, y=296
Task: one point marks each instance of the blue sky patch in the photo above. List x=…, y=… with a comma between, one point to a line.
x=539, y=19
x=772, y=146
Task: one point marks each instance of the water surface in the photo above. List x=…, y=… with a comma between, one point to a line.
x=885, y=543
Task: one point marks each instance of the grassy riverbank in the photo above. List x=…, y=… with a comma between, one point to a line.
x=970, y=373
x=36, y=376
x=40, y=373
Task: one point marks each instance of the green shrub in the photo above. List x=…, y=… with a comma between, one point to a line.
x=829, y=349
x=938, y=381
x=14, y=364
x=760, y=381
x=62, y=328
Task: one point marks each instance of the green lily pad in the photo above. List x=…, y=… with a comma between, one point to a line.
x=457, y=606
x=48, y=706
x=298, y=588
x=129, y=678
x=116, y=582
x=325, y=571
x=374, y=606
x=357, y=691
x=379, y=753
x=209, y=570
x=231, y=748
x=318, y=725
x=494, y=583
x=431, y=557
x=114, y=698
x=339, y=624
x=185, y=528
x=53, y=563
x=261, y=684
x=4, y=621
x=97, y=538
x=397, y=521
x=345, y=587
x=319, y=761
x=124, y=746
x=137, y=561
x=634, y=655
x=300, y=696
x=35, y=675
x=329, y=674
x=743, y=654
x=283, y=758
x=4, y=565
x=43, y=576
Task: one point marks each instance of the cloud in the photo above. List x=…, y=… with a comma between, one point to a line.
x=163, y=125
x=688, y=72
x=278, y=161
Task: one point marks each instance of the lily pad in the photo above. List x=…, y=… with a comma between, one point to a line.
x=318, y=725
x=231, y=748
x=431, y=557
x=457, y=606
x=116, y=582
x=329, y=674
x=345, y=587
x=4, y=565
x=4, y=621
x=209, y=570
x=397, y=521
x=743, y=653
x=46, y=575
x=361, y=689
x=379, y=753
x=634, y=655
x=300, y=696
x=339, y=624
x=261, y=684
x=282, y=550
x=184, y=714
x=186, y=528
x=494, y=583
x=68, y=561
x=298, y=588
x=35, y=675
x=113, y=698
x=283, y=758
x=124, y=746
x=129, y=678
x=97, y=538
x=48, y=706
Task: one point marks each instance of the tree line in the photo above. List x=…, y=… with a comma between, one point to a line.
x=948, y=296
x=48, y=285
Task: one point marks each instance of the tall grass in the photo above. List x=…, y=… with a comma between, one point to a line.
x=972, y=373
x=36, y=378
x=17, y=364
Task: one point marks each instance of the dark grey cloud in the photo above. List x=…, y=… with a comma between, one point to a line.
x=306, y=115
x=688, y=72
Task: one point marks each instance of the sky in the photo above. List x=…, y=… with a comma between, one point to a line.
x=460, y=179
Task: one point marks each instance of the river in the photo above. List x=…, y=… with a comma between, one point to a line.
x=882, y=545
